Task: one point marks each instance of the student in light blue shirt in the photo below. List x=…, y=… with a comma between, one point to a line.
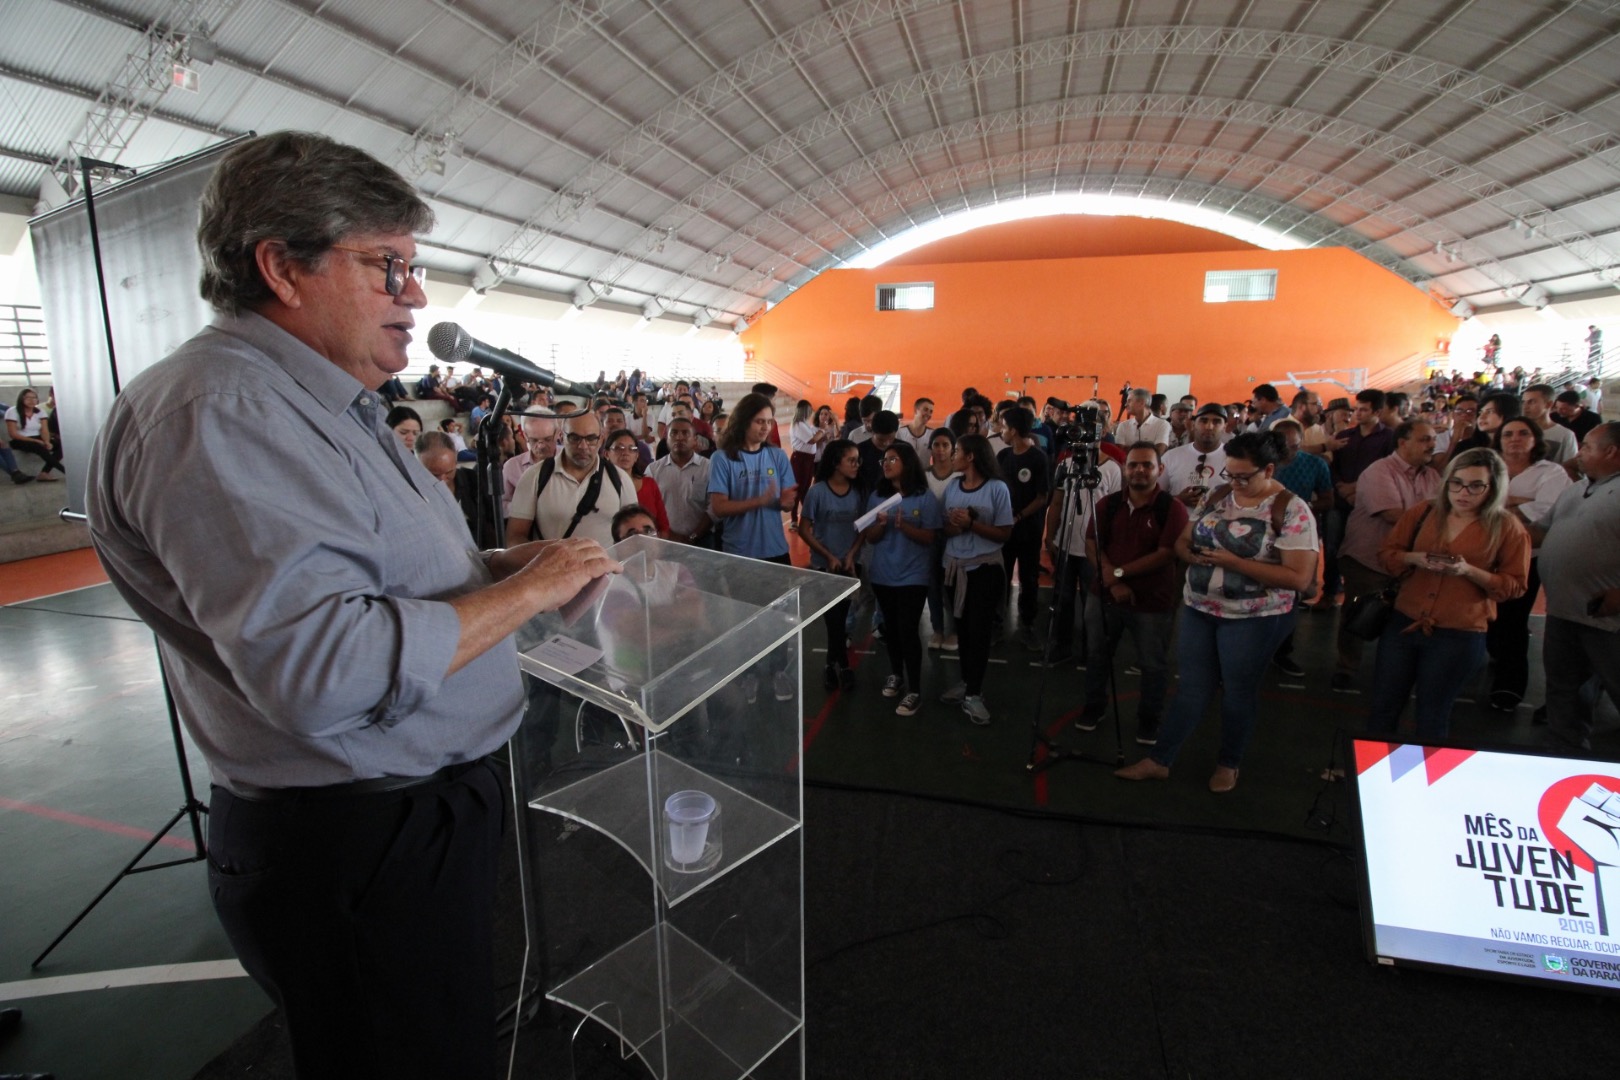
x=902, y=546
x=751, y=483
x=978, y=521
x=827, y=527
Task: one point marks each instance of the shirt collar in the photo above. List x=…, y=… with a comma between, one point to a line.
x=332, y=388
x=1411, y=472
x=1593, y=485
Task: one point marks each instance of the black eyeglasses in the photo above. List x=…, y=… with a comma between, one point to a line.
x=1474, y=487
x=1238, y=479
x=395, y=269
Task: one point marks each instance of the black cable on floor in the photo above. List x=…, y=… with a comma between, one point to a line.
x=989, y=925
x=1142, y=929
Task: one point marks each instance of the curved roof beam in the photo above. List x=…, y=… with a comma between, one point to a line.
x=1472, y=182
x=1581, y=136
x=694, y=108
x=498, y=76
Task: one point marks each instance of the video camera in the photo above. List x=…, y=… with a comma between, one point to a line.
x=1078, y=424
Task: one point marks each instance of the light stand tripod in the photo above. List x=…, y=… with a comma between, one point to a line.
x=1079, y=479
x=191, y=808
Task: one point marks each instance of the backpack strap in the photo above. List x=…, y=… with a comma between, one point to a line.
x=593, y=492
x=547, y=468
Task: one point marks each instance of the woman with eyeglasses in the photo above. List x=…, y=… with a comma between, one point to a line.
x=1534, y=484
x=1458, y=557
x=901, y=541
x=623, y=451
x=1494, y=411
x=1244, y=574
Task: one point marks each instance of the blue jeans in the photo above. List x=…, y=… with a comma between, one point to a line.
x=1438, y=664
x=1227, y=656
x=1150, y=633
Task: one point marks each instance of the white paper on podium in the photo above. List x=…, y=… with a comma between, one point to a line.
x=866, y=520
x=565, y=654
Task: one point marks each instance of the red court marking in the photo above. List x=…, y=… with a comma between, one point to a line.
x=80, y=820
x=832, y=699
x=47, y=575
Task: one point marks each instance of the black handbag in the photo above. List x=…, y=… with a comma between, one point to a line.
x=1367, y=615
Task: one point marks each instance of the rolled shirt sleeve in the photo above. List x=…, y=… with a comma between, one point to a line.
x=296, y=568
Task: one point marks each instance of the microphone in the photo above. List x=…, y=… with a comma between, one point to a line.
x=449, y=342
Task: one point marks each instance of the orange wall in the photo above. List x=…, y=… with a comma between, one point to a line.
x=1122, y=318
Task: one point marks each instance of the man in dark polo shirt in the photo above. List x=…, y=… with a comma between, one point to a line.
x=1136, y=577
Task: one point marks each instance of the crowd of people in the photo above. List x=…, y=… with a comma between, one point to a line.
x=1204, y=533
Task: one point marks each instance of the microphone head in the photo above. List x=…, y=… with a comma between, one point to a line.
x=449, y=342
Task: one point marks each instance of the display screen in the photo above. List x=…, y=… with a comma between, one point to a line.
x=1494, y=862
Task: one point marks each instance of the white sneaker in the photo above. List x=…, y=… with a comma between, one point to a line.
x=750, y=688
x=784, y=686
x=974, y=706
x=936, y=641
x=954, y=695
x=949, y=644
x=908, y=705
x=893, y=685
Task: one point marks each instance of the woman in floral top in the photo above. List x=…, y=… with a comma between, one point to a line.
x=1239, y=603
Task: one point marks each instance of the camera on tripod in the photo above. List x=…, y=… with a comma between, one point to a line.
x=1078, y=426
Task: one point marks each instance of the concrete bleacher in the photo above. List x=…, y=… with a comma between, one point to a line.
x=29, y=525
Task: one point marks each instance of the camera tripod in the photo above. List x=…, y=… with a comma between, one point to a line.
x=1079, y=480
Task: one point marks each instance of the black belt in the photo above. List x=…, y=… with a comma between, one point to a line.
x=380, y=785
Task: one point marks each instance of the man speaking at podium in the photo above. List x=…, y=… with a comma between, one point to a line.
x=339, y=651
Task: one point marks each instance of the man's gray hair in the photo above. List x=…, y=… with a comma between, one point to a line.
x=429, y=441
x=303, y=189
x=1141, y=393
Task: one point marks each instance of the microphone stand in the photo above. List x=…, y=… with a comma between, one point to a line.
x=1080, y=471
x=490, y=482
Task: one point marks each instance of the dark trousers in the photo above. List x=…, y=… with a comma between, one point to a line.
x=1572, y=653
x=902, y=607
x=804, y=471
x=52, y=457
x=1332, y=525
x=973, y=630
x=938, y=601
x=1073, y=577
x=367, y=919
x=837, y=635
x=1023, y=549
x=1508, y=639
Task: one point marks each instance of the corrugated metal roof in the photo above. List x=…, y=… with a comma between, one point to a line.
x=744, y=125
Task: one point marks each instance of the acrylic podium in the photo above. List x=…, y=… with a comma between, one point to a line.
x=666, y=760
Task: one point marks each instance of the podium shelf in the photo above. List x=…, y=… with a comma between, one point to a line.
x=719, y=1024
x=616, y=803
